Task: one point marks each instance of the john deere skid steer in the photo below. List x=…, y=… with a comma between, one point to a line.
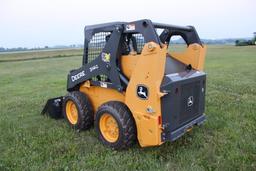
x=132, y=88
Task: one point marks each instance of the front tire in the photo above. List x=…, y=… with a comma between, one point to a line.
x=77, y=110
x=115, y=125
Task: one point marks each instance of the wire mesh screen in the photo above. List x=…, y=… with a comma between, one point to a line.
x=96, y=44
x=140, y=41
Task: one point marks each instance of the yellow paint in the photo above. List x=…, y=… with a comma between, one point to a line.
x=149, y=71
x=100, y=95
x=71, y=112
x=109, y=128
x=194, y=55
x=128, y=63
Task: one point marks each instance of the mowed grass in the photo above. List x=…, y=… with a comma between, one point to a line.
x=51, y=53
x=30, y=141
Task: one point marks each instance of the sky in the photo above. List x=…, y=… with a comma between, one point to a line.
x=38, y=23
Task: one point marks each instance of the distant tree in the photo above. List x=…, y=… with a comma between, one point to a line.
x=254, y=39
x=242, y=43
x=46, y=47
x=2, y=49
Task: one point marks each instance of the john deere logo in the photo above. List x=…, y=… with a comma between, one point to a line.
x=190, y=101
x=142, y=92
x=105, y=57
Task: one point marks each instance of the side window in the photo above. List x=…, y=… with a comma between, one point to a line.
x=133, y=44
x=96, y=44
x=140, y=41
x=177, y=44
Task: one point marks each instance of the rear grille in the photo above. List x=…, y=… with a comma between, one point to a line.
x=175, y=107
x=189, y=106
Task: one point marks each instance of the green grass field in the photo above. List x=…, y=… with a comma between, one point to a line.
x=51, y=53
x=30, y=141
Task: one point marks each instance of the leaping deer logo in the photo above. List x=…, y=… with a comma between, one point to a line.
x=142, y=92
x=190, y=101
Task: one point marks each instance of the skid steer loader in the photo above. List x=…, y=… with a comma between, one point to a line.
x=132, y=88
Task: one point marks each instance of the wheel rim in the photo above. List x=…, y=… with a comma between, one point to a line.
x=109, y=127
x=72, y=112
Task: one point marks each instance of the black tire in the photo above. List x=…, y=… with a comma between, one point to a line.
x=125, y=121
x=84, y=108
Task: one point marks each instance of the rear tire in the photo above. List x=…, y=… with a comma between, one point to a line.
x=121, y=132
x=77, y=110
